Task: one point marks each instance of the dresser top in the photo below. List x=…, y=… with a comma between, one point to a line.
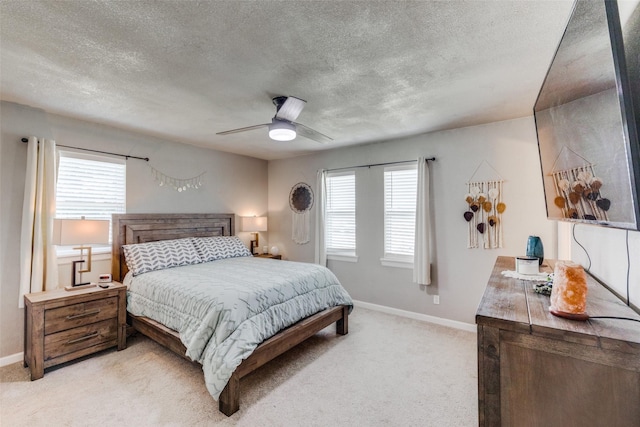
x=513, y=304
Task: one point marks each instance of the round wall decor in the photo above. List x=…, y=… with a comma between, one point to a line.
x=300, y=202
x=301, y=197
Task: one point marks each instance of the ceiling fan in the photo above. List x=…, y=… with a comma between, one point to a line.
x=282, y=126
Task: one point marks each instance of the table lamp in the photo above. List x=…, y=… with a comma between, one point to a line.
x=254, y=224
x=80, y=232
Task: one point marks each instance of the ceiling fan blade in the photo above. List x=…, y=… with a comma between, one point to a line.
x=291, y=109
x=307, y=132
x=227, y=132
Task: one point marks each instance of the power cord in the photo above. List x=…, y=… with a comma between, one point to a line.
x=628, y=267
x=573, y=232
x=628, y=296
x=614, y=317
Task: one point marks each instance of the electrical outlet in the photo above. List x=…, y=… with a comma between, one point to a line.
x=436, y=299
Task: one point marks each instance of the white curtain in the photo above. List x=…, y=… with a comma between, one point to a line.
x=38, y=261
x=321, y=200
x=421, y=253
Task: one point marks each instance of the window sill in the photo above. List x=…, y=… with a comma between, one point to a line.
x=103, y=252
x=342, y=257
x=397, y=263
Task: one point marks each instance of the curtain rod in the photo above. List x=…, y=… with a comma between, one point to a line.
x=380, y=164
x=146, y=159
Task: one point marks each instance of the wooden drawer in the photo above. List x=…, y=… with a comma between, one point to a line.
x=61, y=325
x=72, y=316
x=75, y=339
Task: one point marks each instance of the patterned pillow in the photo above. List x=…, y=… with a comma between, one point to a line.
x=144, y=257
x=220, y=247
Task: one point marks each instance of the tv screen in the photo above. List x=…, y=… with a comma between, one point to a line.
x=586, y=120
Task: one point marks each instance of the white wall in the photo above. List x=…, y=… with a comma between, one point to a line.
x=232, y=184
x=607, y=249
x=460, y=274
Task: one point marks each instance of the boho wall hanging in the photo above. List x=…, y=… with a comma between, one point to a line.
x=578, y=189
x=177, y=184
x=484, y=210
x=300, y=202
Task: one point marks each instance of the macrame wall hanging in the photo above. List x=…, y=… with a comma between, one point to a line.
x=177, y=184
x=300, y=202
x=578, y=189
x=484, y=209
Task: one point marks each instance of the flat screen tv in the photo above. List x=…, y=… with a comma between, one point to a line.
x=587, y=118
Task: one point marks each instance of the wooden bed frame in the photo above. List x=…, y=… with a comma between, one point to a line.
x=140, y=228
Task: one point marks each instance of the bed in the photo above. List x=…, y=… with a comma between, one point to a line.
x=131, y=229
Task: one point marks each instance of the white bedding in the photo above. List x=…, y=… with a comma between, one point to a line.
x=224, y=309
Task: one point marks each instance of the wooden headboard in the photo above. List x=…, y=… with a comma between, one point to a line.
x=140, y=228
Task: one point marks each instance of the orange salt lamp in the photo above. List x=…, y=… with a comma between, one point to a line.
x=569, y=293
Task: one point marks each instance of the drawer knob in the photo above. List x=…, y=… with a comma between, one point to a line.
x=84, y=338
x=85, y=314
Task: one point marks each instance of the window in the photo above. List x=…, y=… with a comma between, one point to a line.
x=340, y=215
x=400, y=190
x=90, y=186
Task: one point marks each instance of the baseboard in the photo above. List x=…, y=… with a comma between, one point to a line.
x=418, y=316
x=11, y=359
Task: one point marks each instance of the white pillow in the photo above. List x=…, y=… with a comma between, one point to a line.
x=144, y=257
x=220, y=247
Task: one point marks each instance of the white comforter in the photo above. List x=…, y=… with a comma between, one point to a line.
x=224, y=309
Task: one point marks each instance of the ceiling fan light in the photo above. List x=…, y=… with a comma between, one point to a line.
x=282, y=131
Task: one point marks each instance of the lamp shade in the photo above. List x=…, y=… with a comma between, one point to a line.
x=80, y=231
x=254, y=223
x=282, y=131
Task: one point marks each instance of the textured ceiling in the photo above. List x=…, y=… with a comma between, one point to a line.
x=370, y=71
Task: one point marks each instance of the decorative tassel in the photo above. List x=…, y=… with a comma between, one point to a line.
x=300, y=225
x=484, y=217
x=177, y=184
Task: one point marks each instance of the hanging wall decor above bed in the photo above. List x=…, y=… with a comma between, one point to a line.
x=300, y=202
x=178, y=184
x=484, y=209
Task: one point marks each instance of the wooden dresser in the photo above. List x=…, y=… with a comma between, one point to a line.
x=536, y=369
x=63, y=325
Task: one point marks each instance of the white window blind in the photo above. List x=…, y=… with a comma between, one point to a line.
x=340, y=214
x=90, y=186
x=400, y=189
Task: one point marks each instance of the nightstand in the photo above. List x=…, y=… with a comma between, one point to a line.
x=268, y=256
x=64, y=325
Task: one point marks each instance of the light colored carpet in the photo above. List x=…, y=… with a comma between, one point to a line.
x=388, y=371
